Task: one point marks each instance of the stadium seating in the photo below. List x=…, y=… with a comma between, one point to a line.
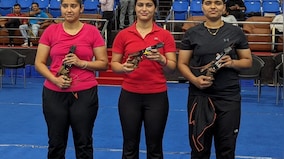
x=258, y=35
x=180, y=10
x=25, y=5
x=6, y=6
x=197, y=20
x=18, y=36
x=253, y=7
x=182, y=0
x=54, y=8
x=195, y=8
x=43, y=4
x=271, y=6
x=91, y=7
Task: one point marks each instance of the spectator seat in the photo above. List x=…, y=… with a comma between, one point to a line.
x=258, y=33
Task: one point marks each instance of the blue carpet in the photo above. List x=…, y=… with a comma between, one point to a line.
x=24, y=135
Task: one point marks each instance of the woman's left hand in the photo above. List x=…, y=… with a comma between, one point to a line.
x=72, y=59
x=155, y=55
x=227, y=61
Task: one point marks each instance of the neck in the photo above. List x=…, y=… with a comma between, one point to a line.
x=142, y=25
x=214, y=24
x=68, y=25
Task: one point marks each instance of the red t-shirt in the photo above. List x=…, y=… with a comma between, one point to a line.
x=149, y=76
x=18, y=15
x=60, y=42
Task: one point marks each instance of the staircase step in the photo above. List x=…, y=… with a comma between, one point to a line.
x=109, y=73
x=109, y=80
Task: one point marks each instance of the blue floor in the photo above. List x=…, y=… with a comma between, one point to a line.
x=23, y=133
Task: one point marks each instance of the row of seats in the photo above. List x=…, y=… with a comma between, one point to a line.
x=50, y=6
x=263, y=6
x=18, y=39
x=182, y=9
x=257, y=28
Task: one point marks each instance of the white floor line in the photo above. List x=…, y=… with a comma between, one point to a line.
x=119, y=150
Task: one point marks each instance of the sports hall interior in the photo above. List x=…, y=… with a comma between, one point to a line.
x=262, y=94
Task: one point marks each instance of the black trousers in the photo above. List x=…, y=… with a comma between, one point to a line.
x=62, y=111
x=225, y=131
x=12, y=23
x=109, y=16
x=134, y=109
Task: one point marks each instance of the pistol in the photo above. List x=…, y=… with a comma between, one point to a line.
x=65, y=69
x=215, y=65
x=137, y=57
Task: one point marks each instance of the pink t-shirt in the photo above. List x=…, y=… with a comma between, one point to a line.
x=149, y=76
x=60, y=42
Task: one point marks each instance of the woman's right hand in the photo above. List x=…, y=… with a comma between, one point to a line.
x=203, y=82
x=128, y=67
x=63, y=81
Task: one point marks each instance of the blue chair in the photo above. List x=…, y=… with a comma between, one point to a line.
x=25, y=5
x=253, y=7
x=196, y=8
x=271, y=6
x=182, y=1
x=54, y=8
x=180, y=10
x=43, y=4
x=91, y=7
x=6, y=6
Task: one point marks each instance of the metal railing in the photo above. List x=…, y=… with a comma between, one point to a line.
x=168, y=25
x=95, y=22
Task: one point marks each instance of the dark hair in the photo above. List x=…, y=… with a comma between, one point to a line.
x=35, y=3
x=224, y=1
x=154, y=1
x=17, y=4
x=81, y=2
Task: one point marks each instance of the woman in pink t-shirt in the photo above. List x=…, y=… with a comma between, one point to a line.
x=69, y=95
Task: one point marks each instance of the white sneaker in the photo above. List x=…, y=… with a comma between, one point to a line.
x=25, y=45
x=31, y=44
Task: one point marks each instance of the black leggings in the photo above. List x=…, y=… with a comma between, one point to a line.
x=63, y=110
x=134, y=109
x=225, y=131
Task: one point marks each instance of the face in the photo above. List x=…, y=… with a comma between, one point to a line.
x=145, y=10
x=213, y=8
x=35, y=7
x=71, y=10
x=17, y=9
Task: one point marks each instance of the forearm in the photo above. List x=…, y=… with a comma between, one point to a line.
x=44, y=71
x=98, y=65
x=186, y=73
x=169, y=65
x=117, y=67
x=241, y=64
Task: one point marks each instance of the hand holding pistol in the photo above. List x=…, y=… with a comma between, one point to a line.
x=65, y=68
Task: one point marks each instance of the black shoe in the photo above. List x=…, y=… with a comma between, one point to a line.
x=11, y=44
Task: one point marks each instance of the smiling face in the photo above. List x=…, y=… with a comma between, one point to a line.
x=145, y=10
x=35, y=7
x=213, y=9
x=71, y=10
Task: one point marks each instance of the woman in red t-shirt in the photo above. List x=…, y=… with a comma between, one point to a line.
x=143, y=97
